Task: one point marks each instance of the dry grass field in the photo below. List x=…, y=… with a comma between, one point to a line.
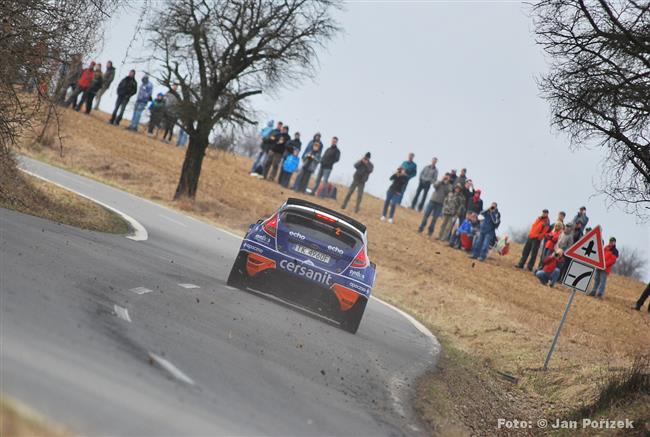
x=491, y=318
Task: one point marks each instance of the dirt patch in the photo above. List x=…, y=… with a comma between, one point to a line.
x=30, y=195
x=497, y=322
x=18, y=421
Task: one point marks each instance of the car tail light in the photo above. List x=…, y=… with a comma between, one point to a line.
x=271, y=226
x=346, y=296
x=325, y=218
x=361, y=260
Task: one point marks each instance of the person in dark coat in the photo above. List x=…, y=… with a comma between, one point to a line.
x=310, y=159
x=363, y=168
x=330, y=157
x=156, y=113
x=394, y=194
x=487, y=232
x=125, y=90
x=475, y=203
x=108, y=77
x=276, y=153
x=644, y=296
x=292, y=146
x=93, y=89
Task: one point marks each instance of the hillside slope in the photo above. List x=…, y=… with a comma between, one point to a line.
x=497, y=318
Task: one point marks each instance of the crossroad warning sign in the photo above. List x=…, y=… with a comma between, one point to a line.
x=578, y=276
x=589, y=249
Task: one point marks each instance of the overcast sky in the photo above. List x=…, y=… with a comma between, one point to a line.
x=455, y=80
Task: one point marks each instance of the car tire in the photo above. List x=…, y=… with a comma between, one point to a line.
x=351, y=318
x=238, y=275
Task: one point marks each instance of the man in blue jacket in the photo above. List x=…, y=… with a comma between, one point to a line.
x=144, y=97
x=487, y=232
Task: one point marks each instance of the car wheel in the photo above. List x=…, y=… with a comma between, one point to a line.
x=238, y=275
x=351, y=318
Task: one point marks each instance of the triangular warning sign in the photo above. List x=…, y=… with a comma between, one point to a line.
x=589, y=249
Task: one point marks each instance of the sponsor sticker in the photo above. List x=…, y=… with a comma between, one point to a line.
x=263, y=238
x=251, y=247
x=335, y=249
x=297, y=235
x=356, y=274
x=306, y=272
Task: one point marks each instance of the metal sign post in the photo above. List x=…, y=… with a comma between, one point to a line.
x=559, y=328
x=578, y=276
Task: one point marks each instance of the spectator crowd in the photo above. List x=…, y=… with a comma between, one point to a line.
x=454, y=202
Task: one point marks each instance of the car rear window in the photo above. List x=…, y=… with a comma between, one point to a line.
x=328, y=233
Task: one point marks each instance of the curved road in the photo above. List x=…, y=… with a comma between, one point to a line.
x=119, y=336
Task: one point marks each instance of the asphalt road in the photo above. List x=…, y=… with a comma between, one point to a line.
x=115, y=336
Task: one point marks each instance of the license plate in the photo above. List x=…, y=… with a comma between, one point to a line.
x=312, y=253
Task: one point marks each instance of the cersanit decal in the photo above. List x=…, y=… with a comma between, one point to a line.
x=301, y=270
x=297, y=235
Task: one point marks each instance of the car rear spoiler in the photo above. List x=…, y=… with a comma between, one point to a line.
x=299, y=202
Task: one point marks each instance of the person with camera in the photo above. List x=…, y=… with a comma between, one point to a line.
x=394, y=193
x=550, y=270
x=363, y=168
x=487, y=232
x=434, y=208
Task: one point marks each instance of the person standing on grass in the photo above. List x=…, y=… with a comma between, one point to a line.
x=156, y=112
x=600, y=280
x=181, y=140
x=362, y=171
x=434, y=208
x=453, y=176
x=289, y=167
x=330, y=157
x=451, y=207
x=144, y=97
x=428, y=176
x=125, y=89
x=535, y=236
x=69, y=74
x=84, y=82
x=268, y=142
x=475, y=203
x=310, y=160
x=580, y=223
x=550, y=240
x=276, y=153
x=292, y=146
x=564, y=241
x=410, y=169
x=487, y=232
x=169, y=115
x=644, y=296
x=549, y=270
x=109, y=76
x=394, y=193
x=95, y=86
x=462, y=177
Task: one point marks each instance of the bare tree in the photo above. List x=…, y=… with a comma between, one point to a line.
x=248, y=142
x=222, y=52
x=598, y=86
x=36, y=38
x=630, y=263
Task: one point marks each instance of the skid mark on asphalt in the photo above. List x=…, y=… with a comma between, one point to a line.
x=169, y=367
x=122, y=313
x=140, y=290
x=188, y=286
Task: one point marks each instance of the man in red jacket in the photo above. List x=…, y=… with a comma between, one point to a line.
x=83, y=84
x=611, y=255
x=535, y=236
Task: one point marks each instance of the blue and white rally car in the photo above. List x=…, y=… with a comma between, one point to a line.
x=311, y=256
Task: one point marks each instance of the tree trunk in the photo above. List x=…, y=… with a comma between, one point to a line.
x=189, y=180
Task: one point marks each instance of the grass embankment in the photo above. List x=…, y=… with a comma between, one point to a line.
x=495, y=322
x=18, y=421
x=30, y=195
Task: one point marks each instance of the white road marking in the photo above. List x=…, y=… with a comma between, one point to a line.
x=140, y=290
x=139, y=232
x=169, y=367
x=188, y=286
x=231, y=288
x=122, y=313
x=172, y=220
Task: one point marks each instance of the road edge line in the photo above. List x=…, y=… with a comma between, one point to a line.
x=139, y=231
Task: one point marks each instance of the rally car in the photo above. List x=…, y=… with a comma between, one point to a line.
x=311, y=256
